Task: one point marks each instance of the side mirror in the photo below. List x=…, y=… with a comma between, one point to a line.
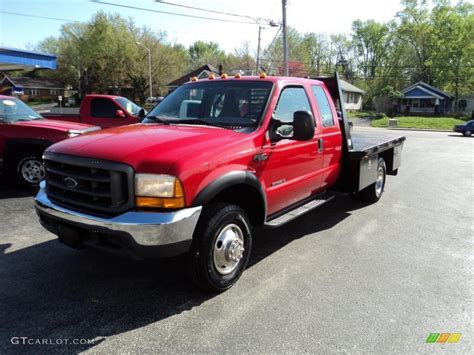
x=141, y=114
x=301, y=129
x=120, y=114
x=303, y=126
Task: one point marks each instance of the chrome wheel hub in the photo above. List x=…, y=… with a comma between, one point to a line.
x=228, y=249
x=380, y=181
x=32, y=171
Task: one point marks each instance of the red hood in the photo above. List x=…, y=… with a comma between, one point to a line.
x=149, y=148
x=53, y=124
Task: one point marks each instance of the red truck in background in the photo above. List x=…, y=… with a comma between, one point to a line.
x=103, y=111
x=24, y=135
x=216, y=158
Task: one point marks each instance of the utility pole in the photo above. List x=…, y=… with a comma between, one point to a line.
x=270, y=23
x=258, y=50
x=285, y=40
x=149, y=67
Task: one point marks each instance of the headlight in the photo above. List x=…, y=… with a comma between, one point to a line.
x=158, y=191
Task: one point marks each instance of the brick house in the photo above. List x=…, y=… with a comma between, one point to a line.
x=31, y=88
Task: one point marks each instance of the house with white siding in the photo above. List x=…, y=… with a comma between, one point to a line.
x=352, y=96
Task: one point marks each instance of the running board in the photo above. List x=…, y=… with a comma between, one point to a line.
x=301, y=210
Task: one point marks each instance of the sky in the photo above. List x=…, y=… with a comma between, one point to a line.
x=320, y=16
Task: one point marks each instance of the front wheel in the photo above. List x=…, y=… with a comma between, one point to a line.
x=373, y=193
x=467, y=133
x=29, y=170
x=221, y=247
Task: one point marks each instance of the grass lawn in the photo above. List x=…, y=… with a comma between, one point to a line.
x=445, y=123
x=360, y=114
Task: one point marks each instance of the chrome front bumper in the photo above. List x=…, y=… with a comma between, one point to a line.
x=143, y=233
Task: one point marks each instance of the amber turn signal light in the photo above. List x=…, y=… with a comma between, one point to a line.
x=177, y=201
x=159, y=202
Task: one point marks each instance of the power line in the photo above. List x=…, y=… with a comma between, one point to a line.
x=171, y=13
x=154, y=30
x=211, y=11
x=36, y=16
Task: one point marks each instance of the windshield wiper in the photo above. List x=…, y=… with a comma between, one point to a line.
x=31, y=119
x=228, y=125
x=158, y=119
x=199, y=121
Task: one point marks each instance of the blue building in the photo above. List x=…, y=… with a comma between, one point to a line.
x=422, y=98
x=18, y=59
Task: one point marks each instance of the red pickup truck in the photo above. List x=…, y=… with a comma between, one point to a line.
x=104, y=111
x=214, y=159
x=24, y=135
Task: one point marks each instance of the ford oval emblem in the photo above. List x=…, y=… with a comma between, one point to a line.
x=70, y=182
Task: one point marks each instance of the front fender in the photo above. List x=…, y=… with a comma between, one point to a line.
x=232, y=178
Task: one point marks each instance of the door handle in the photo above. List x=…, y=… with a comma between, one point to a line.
x=320, y=145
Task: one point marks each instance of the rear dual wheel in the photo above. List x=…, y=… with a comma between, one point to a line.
x=373, y=192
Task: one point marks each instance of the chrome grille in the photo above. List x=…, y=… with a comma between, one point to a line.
x=89, y=185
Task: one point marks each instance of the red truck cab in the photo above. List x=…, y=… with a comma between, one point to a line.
x=216, y=158
x=24, y=135
x=104, y=111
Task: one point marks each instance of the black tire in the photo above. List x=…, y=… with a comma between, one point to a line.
x=29, y=169
x=374, y=192
x=467, y=133
x=217, y=218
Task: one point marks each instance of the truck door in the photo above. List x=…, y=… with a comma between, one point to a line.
x=290, y=171
x=331, y=139
x=104, y=113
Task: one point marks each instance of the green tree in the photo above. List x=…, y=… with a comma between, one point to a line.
x=201, y=53
x=416, y=31
x=370, y=40
x=103, y=56
x=453, y=32
x=315, y=52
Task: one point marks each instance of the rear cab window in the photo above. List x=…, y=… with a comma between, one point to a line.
x=325, y=110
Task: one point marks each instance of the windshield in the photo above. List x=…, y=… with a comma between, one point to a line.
x=13, y=110
x=230, y=104
x=128, y=105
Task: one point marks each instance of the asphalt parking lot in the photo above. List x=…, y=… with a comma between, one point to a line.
x=345, y=278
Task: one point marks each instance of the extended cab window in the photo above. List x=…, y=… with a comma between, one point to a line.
x=230, y=104
x=324, y=107
x=291, y=99
x=103, y=108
